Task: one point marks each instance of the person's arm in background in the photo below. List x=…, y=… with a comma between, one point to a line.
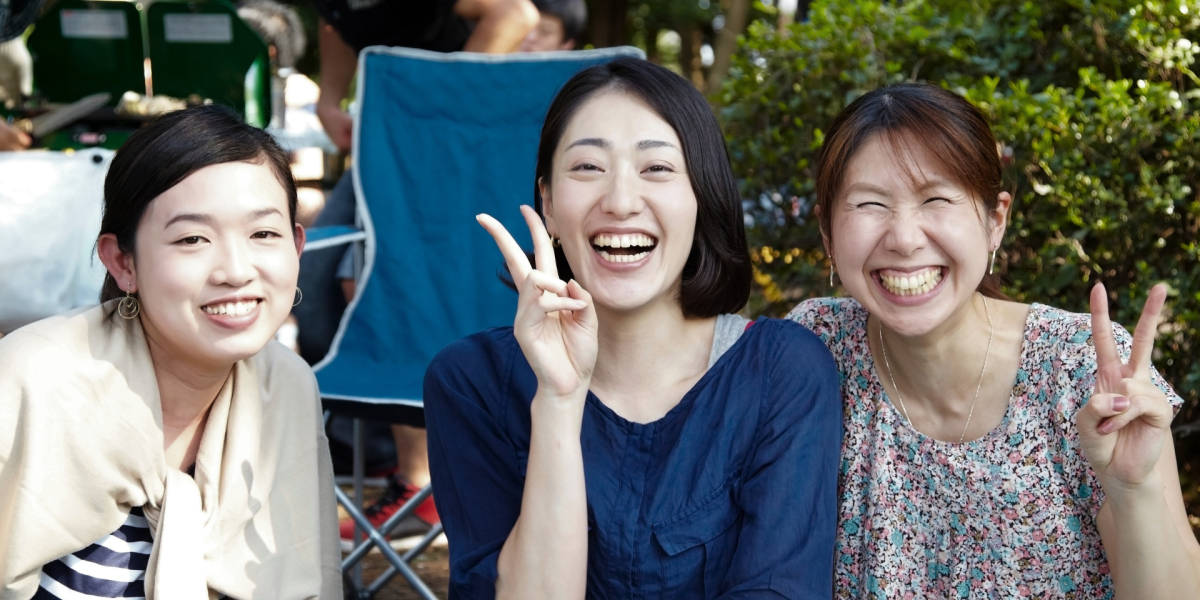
x=338, y=63
x=500, y=25
x=12, y=138
x=16, y=82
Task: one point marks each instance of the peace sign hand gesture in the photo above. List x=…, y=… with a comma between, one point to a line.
x=1127, y=420
x=556, y=321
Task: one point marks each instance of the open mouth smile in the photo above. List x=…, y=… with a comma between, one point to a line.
x=233, y=309
x=916, y=283
x=623, y=248
x=236, y=314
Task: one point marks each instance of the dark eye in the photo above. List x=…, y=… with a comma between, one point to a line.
x=936, y=199
x=585, y=167
x=262, y=235
x=660, y=169
x=190, y=241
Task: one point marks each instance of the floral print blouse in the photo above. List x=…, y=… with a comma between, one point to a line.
x=1009, y=515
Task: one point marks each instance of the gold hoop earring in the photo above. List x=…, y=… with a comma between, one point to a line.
x=992, y=269
x=128, y=307
x=299, y=297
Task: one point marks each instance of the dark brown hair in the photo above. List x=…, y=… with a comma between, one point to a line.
x=716, y=276
x=951, y=129
x=167, y=151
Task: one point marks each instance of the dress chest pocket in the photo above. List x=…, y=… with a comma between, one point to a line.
x=699, y=543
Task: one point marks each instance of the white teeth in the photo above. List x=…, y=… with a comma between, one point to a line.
x=623, y=241
x=914, y=284
x=235, y=309
x=622, y=258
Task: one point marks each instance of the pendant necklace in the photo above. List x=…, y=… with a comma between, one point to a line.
x=978, y=386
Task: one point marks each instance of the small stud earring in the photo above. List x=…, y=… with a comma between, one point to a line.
x=128, y=308
x=299, y=297
x=556, y=242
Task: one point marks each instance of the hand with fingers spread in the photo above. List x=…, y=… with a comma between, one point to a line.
x=556, y=322
x=1127, y=420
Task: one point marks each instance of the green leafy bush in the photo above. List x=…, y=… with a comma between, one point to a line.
x=1095, y=105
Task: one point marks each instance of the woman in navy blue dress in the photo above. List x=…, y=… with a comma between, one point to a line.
x=628, y=436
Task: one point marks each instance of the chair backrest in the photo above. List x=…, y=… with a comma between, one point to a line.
x=81, y=48
x=204, y=48
x=439, y=138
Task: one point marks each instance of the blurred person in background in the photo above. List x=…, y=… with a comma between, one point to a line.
x=346, y=27
x=560, y=23
x=16, y=66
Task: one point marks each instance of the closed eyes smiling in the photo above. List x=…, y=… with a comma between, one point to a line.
x=928, y=202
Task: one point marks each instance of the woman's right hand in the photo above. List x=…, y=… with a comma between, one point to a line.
x=556, y=322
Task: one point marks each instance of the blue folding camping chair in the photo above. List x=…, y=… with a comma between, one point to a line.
x=439, y=138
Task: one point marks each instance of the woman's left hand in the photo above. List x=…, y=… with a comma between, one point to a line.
x=1126, y=421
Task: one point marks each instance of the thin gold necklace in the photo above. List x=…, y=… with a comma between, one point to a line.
x=978, y=386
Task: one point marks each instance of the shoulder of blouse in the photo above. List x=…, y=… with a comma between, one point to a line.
x=829, y=318
x=485, y=357
x=793, y=355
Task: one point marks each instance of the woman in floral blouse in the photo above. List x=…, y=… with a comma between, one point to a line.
x=992, y=449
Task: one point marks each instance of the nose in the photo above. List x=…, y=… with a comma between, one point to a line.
x=235, y=266
x=623, y=197
x=906, y=234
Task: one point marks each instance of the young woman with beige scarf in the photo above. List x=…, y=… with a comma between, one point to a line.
x=160, y=445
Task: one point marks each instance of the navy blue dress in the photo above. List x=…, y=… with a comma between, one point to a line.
x=731, y=494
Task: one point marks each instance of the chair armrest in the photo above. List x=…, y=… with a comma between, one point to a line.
x=318, y=238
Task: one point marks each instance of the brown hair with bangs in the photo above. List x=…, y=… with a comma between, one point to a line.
x=940, y=121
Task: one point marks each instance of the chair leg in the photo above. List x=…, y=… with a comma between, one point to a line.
x=408, y=556
x=375, y=538
x=361, y=550
x=359, y=473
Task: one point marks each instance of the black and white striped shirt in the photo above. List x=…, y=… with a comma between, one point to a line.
x=113, y=567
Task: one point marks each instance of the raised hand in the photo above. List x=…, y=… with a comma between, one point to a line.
x=556, y=322
x=1127, y=420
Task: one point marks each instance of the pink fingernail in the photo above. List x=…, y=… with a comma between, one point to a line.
x=1120, y=403
x=1105, y=426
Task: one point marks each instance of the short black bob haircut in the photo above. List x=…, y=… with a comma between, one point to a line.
x=716, y=277
x=168, y=150
x=572, y=13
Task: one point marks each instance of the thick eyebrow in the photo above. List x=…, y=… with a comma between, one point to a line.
x=649, y=144
x=264, y=212
x=207, y=220
x=932, y=184
x=198, y=218
x=597, y=142
x=869, y=188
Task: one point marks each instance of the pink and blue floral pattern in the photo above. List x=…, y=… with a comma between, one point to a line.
x=1009, y=515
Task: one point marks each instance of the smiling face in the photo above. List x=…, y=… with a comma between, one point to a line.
x=216, y=263
x=909, y=242
x=621, y=201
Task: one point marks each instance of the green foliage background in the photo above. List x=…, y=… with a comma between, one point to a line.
x=1095, y=103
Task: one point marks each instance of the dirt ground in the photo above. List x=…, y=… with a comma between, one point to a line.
x=433, y=567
